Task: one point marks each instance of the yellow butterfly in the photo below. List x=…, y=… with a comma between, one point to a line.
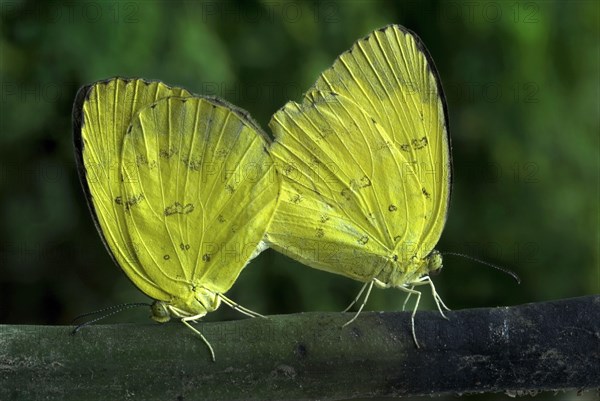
x=181, y=189
x=366, y=167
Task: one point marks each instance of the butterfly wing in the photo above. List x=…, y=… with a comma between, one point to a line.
x=347, y=197
x=392, y=76
x=101, y=114
x=369, y=149
x=200, y=192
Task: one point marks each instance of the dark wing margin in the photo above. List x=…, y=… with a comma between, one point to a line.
x=78, y=145
x=431, y=65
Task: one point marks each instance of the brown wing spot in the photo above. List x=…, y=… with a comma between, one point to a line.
x=166, y=257
x=141, y=160
x=404, y=147
x=395, y=258
x=361, y=183
x=296, y=199
x=419, y=143
x=320, y=233
x=346, y=193
x=134, y=200
x=170, y=210
x=230, y=188
x=167, y=153
x=392, y=208
x=427, y=194
x=220, y=218
x=288, y=169
x=184, y=247
x=363, y=240
x=397, y=238
x=206, y=257
x=178, y=208
x=194, y=165
x=119, y=200
x=324, y=219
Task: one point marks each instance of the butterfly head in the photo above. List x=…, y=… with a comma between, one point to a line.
x=198, y=302
x=160, y=311
x=401, y=273
x=434, y=263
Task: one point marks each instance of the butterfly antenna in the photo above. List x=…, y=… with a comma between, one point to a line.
x=106, y=312
x=483, y=262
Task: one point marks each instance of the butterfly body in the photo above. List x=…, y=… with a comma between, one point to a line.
x=198, y=301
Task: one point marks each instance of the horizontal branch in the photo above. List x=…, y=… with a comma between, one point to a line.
x=542, y=346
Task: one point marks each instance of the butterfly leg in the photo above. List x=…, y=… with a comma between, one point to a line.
x=186, y=320
x=407, y=298
x=357, y=297
x=438, y=299
x=411, y=291
x=239, y=308
x=370, y=286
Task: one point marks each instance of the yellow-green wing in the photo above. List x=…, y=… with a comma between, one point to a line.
x=200, y=189
x=101, y=114
x=349, y=198
x=391, y=75
x=372, y=129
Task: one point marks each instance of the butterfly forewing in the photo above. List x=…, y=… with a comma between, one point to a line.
x=393, y=78
x=200, y=192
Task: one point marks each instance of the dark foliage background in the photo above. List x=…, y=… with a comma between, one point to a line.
x=522, y=84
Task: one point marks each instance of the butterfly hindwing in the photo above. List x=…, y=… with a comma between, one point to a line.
x=101, y=114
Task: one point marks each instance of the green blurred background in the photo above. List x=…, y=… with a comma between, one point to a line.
x=521, y=80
